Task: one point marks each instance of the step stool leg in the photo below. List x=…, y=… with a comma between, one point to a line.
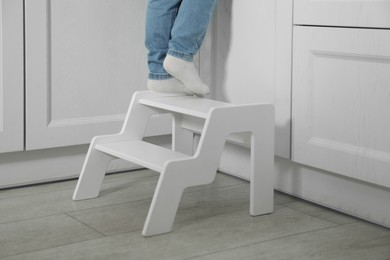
x=182, y=139
x=262, y=177
x=164, y=206
x=92, y=174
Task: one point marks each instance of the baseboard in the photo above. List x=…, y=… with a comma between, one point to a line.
x=360, y=199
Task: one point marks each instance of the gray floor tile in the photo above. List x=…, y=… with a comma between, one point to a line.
x=213, y=222
x=221, y=180
x=282, y=198
x=189, y=238
x=213, y=202
x=357, y=241
x=216, y=201
x=128, y=217
x=56, y=202
x=35, y=234
x=63, y=185
x=321, y=212
x=116, y=219
x=122, y=190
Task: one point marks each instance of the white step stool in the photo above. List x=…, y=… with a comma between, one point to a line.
x=177, y=170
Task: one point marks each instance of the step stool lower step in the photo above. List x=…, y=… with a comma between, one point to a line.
x=139, y=152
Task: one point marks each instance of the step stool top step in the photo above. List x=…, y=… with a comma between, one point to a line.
x=139, y=152
x=188, y=105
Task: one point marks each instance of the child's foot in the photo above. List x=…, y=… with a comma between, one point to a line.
x=170, y=85
x=186, y=72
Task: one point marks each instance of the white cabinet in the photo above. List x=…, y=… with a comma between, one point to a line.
x=338, y=102
x=82, y=67
x=83, y=60
x=11, y=75
x=240, y=57
x=341, y=101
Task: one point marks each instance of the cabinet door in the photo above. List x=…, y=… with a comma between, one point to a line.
x=84, y=60
x=11, y=75
x=356, y=13
x=341, y=101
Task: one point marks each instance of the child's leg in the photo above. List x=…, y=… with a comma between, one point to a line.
x=187, y=34
x=160, y=16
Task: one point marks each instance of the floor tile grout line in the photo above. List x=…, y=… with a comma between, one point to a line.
x=66, y=212
x=192, y=257
x=187, y=258
x=75, y=180
x=330, y=210
x=139, y=200
x=37, y=217
x=65, y=244
x=115, y=204
x=72, y=243
x=102, y=206
x=61, y=189
x=327, y=220
x=187, y=220
x=259, y=242
x=108, y=205
x=272, y=239
x=70, y=211
x=107, y=236
x=86, y=225
x=322, y=207
x=177, y=222
x=48, y=248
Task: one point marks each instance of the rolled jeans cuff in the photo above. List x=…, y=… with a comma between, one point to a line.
x=180, y=55
x=157, y=76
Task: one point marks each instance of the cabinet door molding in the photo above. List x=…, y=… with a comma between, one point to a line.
x=341, y=101
x=11, y=76
x=80, y=68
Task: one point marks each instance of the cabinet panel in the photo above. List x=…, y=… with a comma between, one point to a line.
x=236, y=77
x=341, y=100
x=352, y=13
x=239, y=64
x=84, y=60
x=11, y=76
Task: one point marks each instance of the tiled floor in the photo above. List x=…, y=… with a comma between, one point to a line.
x=213, y=222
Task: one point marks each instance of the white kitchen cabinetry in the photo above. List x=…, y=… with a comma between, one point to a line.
x=11, y=75
x=340, y=104
x=83, y=63
x=331, y=84
x=341, y=99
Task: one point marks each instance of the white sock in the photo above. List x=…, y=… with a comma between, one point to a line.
x=186, y=72
x=170, y=85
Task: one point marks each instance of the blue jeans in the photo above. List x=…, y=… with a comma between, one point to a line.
x=177, y=28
